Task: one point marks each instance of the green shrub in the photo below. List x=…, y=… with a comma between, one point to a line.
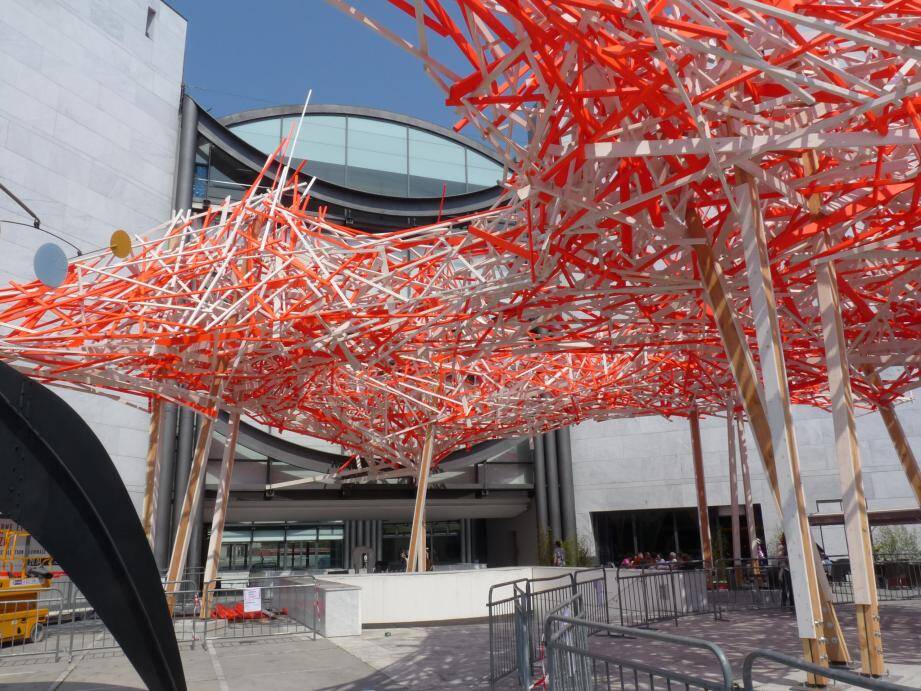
x=577, y=552
x=894, y=541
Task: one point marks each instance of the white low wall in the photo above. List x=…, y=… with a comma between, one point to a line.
x=401, y=598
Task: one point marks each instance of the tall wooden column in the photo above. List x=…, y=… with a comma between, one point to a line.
x=899, y=440
x=190, y=505
x=753, y=398
x=747, y=495
x=220, y=514
x=417, y=556
x=151, y=486
x=847, y=451
x=902, y=448
x=703, y=514
x=734, y=492
x=780, y=420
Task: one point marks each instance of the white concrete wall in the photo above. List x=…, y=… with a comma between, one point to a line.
x=390, y=598
x=645, y=463
x=88, y=137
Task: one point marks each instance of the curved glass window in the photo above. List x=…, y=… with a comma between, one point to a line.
x=436, y=165
x=265, y=135
x=376, y=156
x=376, y=153
x=321, y=143
x=481, y=172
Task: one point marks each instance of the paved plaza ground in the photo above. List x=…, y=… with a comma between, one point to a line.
x=449, y=656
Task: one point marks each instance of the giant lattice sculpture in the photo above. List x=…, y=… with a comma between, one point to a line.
x=656, y=153
x=578, y=297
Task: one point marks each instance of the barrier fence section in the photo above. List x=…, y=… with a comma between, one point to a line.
x=898, y=577
x=504, y=610
x=32, y=625
x=650, y=596
x=258, y=607
x=517, y=612
x=748, y=584
x=836, y=674
x=572, y=666
x=60, y=623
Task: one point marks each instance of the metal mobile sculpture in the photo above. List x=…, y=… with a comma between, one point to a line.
x=706, y=200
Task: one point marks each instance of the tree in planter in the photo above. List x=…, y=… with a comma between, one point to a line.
x=893, y=546
x=895, y=542
x=577, y=552
x=545, y=548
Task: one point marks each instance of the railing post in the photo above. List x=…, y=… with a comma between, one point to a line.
x=492, y=647
x=671, y=580
x=57, y=639
x=645, y=598
x=195, y=616
x=73, y=616
x=607, y=602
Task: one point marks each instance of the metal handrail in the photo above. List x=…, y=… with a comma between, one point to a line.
x=495, y=586
x=552, y=640
x=827, y=672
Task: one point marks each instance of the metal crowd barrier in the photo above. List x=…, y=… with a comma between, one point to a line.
x=60, y=624
x=571, y=666
x=32, y=626
x=517, y=612
x=747, y=584
x=836, y=674
x=502, y=609
x=664, y=593
x=259, y=607
x=898, y=577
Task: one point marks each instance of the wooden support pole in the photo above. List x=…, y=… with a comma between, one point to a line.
x=151, y=484
x=734, y=494
x=847, y=451
x=897, y=435
x=734, y=344
x=753, y=400
x=752, y=527
x=417, y=556
x=190, y=505
x=213, y=559
x=902, y=448
x=802, y=563
x=703, y=514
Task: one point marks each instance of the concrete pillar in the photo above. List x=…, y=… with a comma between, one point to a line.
x=567, y=491
x=553, y=486
x=540, y=484
x=185, y=179
x=185, y=448
x=188, y=141
x=164, y=515
x=182, y=199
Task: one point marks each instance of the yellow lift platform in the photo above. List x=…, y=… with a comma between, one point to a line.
x=22, y=576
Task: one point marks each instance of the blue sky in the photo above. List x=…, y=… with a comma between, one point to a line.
x=243, y=54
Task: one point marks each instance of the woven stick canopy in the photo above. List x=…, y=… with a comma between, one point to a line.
x=578, y=295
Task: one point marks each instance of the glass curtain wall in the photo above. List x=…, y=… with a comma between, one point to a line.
x=443, y=539
x=285, y=546
x=366, y=154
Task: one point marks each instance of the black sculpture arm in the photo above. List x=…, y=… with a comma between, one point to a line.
x=58, y=482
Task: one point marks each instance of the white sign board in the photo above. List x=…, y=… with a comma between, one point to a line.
x=252, y=599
